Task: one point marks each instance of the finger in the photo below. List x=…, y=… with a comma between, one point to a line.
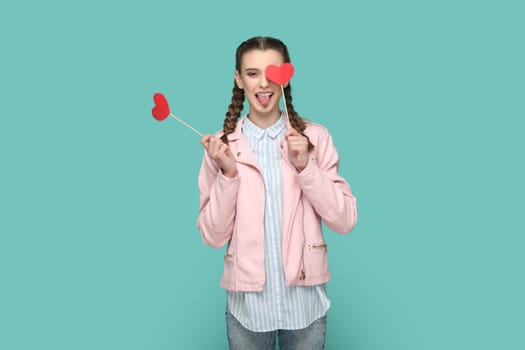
x=216, y=141
x=297, y=141
x=291, y=132
x=225, y=150
x=212, y=148
x=219, y=149
x=205, y=140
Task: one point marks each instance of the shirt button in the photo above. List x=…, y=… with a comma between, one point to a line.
x=238, y=154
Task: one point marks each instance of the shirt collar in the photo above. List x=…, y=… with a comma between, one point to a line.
x=257, y=133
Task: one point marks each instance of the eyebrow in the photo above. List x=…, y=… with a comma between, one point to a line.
x=246, y=69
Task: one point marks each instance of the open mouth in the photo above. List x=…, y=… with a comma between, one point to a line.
x=264, y=98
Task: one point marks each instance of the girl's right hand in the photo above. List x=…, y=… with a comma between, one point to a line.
x=220, y=152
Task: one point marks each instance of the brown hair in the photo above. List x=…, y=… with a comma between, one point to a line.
x=237, y=102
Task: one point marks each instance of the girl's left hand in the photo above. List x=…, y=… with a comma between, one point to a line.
x=297, y=149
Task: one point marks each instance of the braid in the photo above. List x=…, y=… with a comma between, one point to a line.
x=234, y=112
x=295, y=120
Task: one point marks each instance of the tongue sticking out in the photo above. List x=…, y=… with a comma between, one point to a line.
x=264, y=99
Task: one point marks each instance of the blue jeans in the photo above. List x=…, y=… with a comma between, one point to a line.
x=309, y=338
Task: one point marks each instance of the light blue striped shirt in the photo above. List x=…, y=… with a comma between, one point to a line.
x=277, y=306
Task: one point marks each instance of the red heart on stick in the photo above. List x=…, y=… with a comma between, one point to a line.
x=280, y=75
x=162, y=109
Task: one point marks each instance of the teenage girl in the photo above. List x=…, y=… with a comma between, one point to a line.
x=264, y=191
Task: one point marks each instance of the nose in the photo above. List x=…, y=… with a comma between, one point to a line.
x=263, y=81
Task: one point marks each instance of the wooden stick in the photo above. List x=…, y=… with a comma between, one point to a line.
x=187, y=125
x=288, y=125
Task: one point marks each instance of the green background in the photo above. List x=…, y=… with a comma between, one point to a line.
x=98, y=201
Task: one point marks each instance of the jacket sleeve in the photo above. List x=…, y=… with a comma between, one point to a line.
x=218, y=196
x=329, y=193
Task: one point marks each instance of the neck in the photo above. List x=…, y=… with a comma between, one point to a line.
x=264, y=121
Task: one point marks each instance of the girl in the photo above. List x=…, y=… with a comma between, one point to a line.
x=264, y=189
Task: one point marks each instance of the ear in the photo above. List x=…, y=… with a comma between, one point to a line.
x=238, y=79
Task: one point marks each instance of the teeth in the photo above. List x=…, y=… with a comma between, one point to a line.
x=265, y=94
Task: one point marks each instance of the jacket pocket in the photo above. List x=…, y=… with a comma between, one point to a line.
x=315, y=260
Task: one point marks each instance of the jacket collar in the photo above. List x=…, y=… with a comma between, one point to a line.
x=240, y=148
x=237, y=133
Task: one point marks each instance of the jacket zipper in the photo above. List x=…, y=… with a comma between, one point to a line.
x=302, y=276
x=319, y=246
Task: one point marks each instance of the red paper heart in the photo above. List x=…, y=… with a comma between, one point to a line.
x=280, y=75
x=162, y=109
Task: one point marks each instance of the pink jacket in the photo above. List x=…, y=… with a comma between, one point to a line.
x=232, y=211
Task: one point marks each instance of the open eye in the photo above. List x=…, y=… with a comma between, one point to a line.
x=252, y=74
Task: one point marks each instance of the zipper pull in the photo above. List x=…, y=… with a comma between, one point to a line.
x=302, y=276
